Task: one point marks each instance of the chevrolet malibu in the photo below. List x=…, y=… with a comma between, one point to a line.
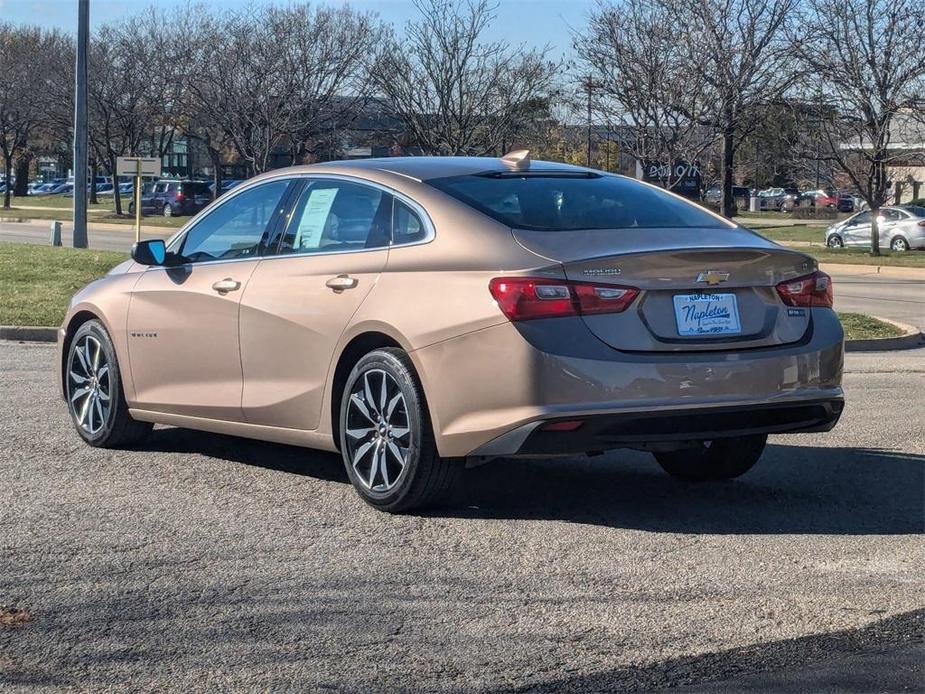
x=419, y=315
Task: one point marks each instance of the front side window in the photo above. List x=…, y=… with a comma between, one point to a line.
x=550, y=201
x=238, y=228
x=863, y=218
x=337, y=216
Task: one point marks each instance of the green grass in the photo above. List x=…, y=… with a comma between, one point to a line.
x=800, y=235
x=770, y=214
x=860, y=327
x=800, y=232
x=859, y=256
x=59, y=201
x=59, y=207
x=36, y=282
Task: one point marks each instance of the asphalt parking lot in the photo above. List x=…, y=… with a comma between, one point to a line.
x=205, y=562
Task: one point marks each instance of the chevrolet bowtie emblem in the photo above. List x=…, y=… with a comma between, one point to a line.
x=712, y=277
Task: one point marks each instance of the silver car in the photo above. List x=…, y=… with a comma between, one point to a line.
x=901, y=228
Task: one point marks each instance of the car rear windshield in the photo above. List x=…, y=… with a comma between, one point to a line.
x=196, y=188
x=571, y=202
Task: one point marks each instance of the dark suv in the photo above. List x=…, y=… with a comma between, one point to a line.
x=174, y=198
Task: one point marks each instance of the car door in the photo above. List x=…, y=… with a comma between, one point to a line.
x=184, y=350
x=857, y=231
x=889, y=223
x=299, y=302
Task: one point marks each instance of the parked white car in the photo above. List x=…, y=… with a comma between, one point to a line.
x=901, y=228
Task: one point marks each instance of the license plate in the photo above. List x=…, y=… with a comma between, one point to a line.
x=707, y=314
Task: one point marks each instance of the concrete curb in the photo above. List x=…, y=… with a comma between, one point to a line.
x=28, y=333
x=912, y=338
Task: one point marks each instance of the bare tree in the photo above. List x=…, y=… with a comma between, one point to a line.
x=27, y=56
x=739, y=49
x=642, y=78
x=273, y=78
x=455, y=92
x=872, y=67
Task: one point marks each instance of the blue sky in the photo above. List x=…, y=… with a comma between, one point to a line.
x=535, y=22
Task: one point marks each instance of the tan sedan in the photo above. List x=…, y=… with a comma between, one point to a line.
x=421, y=314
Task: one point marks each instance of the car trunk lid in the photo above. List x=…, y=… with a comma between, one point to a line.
x=701, y=289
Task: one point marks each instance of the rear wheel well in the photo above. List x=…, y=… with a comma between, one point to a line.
x=357, y=347
x=76, y=321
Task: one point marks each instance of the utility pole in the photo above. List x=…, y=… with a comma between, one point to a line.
x=590, y=86
x=80, y=125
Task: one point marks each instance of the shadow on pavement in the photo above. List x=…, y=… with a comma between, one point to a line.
x=271, y=456
x=902, y=631
x=793, y=489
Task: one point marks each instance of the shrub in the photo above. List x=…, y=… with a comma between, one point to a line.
x=814, y=213
x=918, y=201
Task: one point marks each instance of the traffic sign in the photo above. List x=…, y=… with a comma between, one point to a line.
x=138, y=166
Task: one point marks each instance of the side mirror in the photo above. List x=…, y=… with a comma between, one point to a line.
x=152, y=252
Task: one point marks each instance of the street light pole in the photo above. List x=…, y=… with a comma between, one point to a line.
x=590, y=86
x=80, y=125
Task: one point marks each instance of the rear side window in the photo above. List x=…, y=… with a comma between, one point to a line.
x=407, y=226
x=572, y=202
x=336, y=216
x=916, y=211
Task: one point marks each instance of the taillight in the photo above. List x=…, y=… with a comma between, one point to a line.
x=922, y=223
x=180, y=197
x=813, y=290
x=524, y=298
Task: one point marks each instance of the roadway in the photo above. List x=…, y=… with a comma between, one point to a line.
x=198, y=562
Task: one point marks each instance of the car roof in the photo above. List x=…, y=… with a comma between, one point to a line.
x=426, y=168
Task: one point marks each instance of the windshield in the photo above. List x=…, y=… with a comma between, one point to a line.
x=573, y=201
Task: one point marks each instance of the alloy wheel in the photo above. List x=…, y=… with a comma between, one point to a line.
x=899, y=245
x=90, y=385
x=378, y=431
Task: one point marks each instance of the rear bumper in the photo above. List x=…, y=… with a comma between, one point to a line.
x=490, y=391
x=629, y=429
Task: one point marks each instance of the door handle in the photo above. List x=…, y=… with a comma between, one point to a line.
x=342, y=282
x=226, y=285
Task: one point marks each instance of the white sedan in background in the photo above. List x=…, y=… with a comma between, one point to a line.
x=901, y=228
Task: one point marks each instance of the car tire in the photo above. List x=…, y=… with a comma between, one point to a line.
x=835, y=241
x=93, y=391
x=386, y=438
x=899, y=245
x=720, y=459
x=167, y=211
